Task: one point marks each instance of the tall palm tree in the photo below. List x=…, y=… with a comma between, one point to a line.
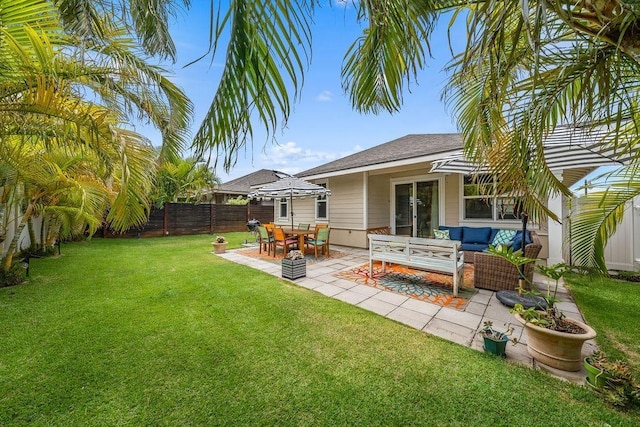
x=62, y=92
x=527, y=68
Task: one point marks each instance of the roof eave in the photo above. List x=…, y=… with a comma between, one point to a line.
x=379, y=166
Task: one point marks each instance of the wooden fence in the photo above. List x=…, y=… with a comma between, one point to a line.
x=179, y=219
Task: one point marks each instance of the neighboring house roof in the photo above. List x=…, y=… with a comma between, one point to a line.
x=405, y=148
x=245, y=184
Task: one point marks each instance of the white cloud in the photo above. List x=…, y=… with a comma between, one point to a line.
x=291, y=158
x=343, y=3
x=325, y=96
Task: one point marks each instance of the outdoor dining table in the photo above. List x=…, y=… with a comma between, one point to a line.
x=301, y=234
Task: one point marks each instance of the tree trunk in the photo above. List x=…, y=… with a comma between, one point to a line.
x=8, y=258
x=32, y=233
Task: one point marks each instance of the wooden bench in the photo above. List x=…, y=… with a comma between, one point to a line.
x=442, y=256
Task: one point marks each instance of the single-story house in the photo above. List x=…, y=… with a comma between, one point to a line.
x=392, y=185
x=243, y=185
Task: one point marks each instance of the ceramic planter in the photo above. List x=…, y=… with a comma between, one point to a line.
x=560, y=350
x=294, y=268
x=219, y=248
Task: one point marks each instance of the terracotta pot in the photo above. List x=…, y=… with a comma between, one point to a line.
x=219, y=248
x=560, y=350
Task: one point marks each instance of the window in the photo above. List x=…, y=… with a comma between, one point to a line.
x=321, y=205
x=480, y=203
x=283, y=208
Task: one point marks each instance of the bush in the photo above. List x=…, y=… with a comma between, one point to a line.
x=14, y=276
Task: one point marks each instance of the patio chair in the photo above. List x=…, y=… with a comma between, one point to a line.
x=315, y=233
x=266, y=240
x=280, y=239
x=302, y=226
x=497, y=274
x=320, y=240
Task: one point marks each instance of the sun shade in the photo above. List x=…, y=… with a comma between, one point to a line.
x=567, y=147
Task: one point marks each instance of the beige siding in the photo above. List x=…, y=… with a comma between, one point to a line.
x=304, y=210
x=346, y=203
x=451, y=200
x=379, y=201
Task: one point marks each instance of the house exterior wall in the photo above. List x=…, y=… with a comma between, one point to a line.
x=303, y=212
x=379, y=198
x=451, y=200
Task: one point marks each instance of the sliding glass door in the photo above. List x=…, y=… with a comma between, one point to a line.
x=416, y=208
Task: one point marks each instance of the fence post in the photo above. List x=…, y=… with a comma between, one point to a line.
x=165, y=226
x=211, y=212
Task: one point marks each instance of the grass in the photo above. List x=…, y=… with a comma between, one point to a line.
x=612, y=308
x=162, y=332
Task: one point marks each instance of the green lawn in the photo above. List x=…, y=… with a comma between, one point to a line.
x=162, y=332
x=612, y=308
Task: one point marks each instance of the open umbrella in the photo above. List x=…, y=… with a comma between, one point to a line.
x=290, y=187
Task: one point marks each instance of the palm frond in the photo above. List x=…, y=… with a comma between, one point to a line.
x=265, y=61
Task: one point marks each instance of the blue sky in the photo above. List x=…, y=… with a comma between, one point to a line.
x=322, y=126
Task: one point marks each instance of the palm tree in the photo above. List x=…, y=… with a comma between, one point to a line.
x=182, y=180
x=63, y=95
x=527, y=68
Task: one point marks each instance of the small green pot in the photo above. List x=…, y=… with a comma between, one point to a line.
x=596, y=377
x=498, y=346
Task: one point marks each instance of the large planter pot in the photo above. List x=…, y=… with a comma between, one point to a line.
x=294, y=268
x=219, y=248
x=596, y=377
x=560, y=350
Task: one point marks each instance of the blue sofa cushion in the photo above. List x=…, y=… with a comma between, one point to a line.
x=455, y=233
x=517, y=240
x=476, y=235
x=494, y=232
x=478, y=247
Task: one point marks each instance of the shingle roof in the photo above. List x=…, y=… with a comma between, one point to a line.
x=406, y=147
x=244, y=184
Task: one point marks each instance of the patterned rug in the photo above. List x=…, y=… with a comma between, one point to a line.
x=309, y=256
x=426, y=286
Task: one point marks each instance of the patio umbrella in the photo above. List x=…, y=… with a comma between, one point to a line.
x=568, y=147
x=290, y=187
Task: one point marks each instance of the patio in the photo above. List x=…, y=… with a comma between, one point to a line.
x=459, y=326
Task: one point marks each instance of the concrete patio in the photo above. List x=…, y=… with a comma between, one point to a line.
x=459, y=326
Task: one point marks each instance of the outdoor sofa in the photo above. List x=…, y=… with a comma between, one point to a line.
x=490, y=271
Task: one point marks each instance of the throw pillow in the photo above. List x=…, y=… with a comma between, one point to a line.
x=441, y=234
x=503, y=237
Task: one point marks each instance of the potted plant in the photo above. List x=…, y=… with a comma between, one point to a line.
x=596, y=366
x=294, y=265
x=613, y=379
x=495, y=342
x=219, y=245
x=553, y=338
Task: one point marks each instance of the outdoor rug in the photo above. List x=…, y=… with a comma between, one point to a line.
x=426, y=286
x=254, y=252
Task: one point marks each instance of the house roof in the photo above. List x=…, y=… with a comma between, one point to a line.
x=245, y=184
x=407, y=147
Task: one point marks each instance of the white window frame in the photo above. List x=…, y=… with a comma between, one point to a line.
x=495, y=217
x=318, y=201
x=283, y=201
